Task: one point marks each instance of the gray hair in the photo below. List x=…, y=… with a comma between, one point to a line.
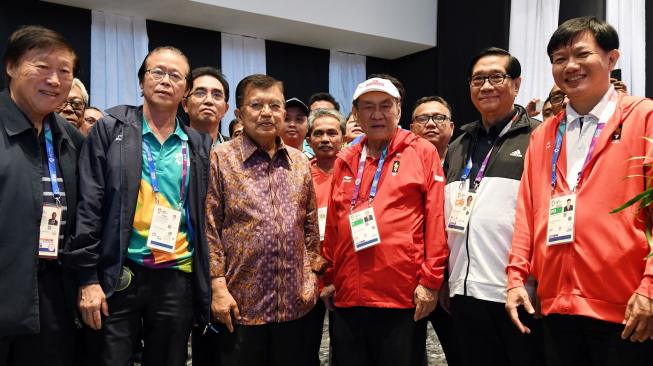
x=323, y=112
x=78, y=83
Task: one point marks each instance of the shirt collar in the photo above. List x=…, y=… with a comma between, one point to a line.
x=496, y=128
x=249, y=147
x=179, y=132
x=596, y=112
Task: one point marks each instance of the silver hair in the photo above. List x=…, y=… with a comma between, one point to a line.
x=78, y=83
x=323, y=112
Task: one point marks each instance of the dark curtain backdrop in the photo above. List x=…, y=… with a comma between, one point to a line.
x=573, y=9
x=417, y=72
x=202, y=47
x=464, y=29
x=303, y=70
x=73, y=23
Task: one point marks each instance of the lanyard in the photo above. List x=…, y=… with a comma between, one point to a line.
x=481, y=172
x=359, y=177
x=562, y=128
x=152, y=170
x=52, y=163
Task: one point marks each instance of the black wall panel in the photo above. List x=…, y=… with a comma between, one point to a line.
x=303, y=70
x=573, y=9
x=202, y=47
x=73, y=23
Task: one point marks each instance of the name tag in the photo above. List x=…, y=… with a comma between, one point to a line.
x=364, y=231
x=461, y=212
x=49, y=232
x=164, y=229
x=562, y=214
x=321, y=220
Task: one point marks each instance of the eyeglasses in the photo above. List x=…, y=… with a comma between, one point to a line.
x=201, y=94
x=438, y=119
x=557, y=99
x=157, y=74
x=274, y=106
x=478, y=81
x=76, y=105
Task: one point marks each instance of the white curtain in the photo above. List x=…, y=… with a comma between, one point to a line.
x=346, y=71
x=118, y=47
x=532, y=22
x=241, y=56
x=628, y=18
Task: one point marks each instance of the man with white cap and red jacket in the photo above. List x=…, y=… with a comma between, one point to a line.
x=384, y=238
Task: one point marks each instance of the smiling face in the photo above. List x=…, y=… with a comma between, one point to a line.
x=493, y=101
x=378, y=114
x=40, y=81
x=582, y=69
x=165, y=93
x=326, y=137
x=262, y=114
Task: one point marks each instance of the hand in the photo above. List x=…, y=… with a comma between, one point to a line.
x=443, y=297
x=223, y=304
x=425, y=300
x=619, y=85
x=639, y=319
x=327, y=296
x=518, y=296
x=92, y=300
x=531, y=107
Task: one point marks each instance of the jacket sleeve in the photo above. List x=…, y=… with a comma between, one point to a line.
x=82, y=253
x=436, y=251
x=311, y=227
x=215, y=217
x=521, y=252
x=646, y=285
x=330, y=229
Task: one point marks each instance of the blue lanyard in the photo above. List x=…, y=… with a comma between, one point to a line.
x=52, y=163
x=152, y=170
x=359, y=177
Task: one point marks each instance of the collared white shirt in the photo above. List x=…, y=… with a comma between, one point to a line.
x=578, y=140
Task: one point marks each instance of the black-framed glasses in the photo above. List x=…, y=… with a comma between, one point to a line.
x=76, y=105
x=200, y=94
x=477, y=81
x=557, y=99
x=438, y=119
x=158, y=74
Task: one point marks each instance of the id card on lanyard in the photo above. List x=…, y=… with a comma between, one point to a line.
x=364, y=229
x=562, y=207
x=51, y=214
x=464, y=202
x=165, y=223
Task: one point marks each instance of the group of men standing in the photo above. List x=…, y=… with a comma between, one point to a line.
x=148, y=230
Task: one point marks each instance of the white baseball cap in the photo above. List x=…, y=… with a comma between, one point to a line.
x=376, y=84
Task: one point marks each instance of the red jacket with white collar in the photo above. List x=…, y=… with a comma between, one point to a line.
x=596, y=274
x=409, y=213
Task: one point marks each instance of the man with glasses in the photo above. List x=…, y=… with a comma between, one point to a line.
x=207, y=101
x=139, y=251
x=91, y=115
x=432, y=121
x=262, y=231
x=484, y=166
x=72, y=109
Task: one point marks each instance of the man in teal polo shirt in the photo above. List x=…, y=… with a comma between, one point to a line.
x=141, y=268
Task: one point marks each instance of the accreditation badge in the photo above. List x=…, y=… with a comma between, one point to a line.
x=562, y=215
x=461, y=212
x=321, y=220
x=49, y=232
x=164, y=229
x=364, y=230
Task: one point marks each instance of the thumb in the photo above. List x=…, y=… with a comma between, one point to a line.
x=105, y=307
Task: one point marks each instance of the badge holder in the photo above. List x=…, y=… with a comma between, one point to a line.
x=461, y=211
x=321, y=220
x=562, y=216
x=364, y=231
x=49, y=231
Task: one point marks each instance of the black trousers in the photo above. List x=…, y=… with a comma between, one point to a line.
x=55, y=343
x=205, y=346
x=272, y=344
x=486, y=336
x=376, y=337
x=315, y=328
x=582, y=341
x=443, y=327
x=158, y=306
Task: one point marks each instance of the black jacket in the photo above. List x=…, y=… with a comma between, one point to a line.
x=110, y=170
x=21, y=206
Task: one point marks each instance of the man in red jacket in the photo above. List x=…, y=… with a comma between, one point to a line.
x=595, y=281
x=384, y=239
